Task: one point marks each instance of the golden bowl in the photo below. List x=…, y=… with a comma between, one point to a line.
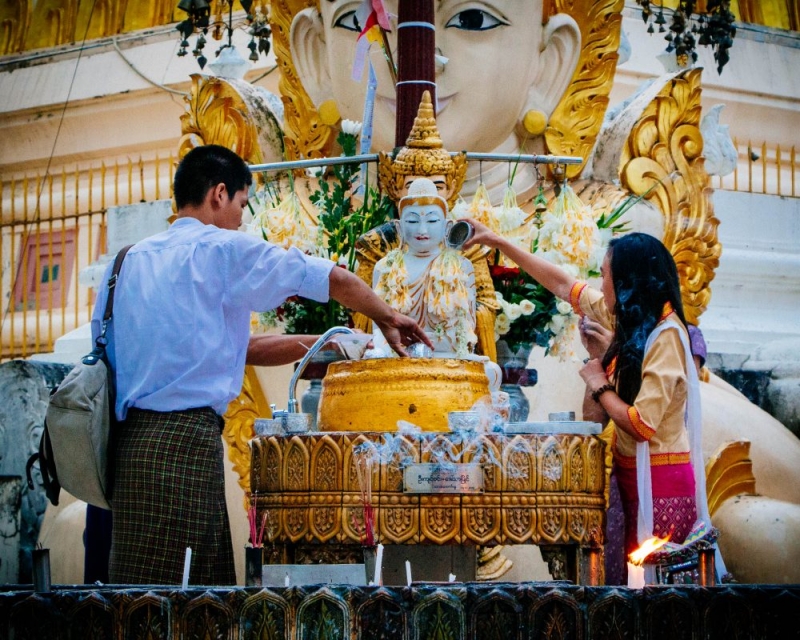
x=373, y=394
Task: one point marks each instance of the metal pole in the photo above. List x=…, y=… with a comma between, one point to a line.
x=373, y=157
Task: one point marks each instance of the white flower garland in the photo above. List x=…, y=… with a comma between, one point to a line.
x=447, y=301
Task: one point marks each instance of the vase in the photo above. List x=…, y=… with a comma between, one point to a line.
x=514, y=365
x=314, y=372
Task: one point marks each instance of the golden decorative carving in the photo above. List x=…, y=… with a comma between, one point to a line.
x=52, y=23
x=295, y=472
x=218, y=113
x=306, y=136
x=423, y=155
x=15, y=15
x=326, y=463
x=239, y=420
x=729, y=473
x=440, y=519
x=576, y=121
x=666, y=145
x=507, y=512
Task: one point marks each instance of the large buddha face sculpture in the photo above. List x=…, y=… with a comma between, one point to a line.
x=497, y=62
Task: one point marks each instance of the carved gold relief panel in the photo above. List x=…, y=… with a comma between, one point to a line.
x=518, y=518
x=296, y=466
x=481, y=517
x=519, y=464
x=440, y=519
x=399, y=519
x=326, y=463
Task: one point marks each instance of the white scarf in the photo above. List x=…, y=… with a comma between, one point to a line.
x=693, y=418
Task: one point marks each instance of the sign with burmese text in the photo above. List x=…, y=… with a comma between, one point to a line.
x=443, y=478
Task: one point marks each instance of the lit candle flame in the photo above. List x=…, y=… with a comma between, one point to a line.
x=648, y=546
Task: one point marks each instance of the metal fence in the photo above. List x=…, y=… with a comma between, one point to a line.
x=53, y=227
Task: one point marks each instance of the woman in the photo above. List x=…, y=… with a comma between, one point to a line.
x=645, y=382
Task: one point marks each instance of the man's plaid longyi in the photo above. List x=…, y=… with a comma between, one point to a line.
x=169, y=494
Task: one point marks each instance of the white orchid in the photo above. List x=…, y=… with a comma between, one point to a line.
x=351, y=127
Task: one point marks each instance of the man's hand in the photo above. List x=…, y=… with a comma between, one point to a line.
x=401, y=331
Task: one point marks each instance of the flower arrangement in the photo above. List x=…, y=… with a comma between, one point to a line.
x=564, y=232
x=345, y=210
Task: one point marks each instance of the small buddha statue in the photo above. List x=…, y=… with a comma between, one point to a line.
x=424, y=156
x=423, y=278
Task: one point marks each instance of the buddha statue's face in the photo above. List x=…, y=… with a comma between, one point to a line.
x=423, y=228
x=496, y=62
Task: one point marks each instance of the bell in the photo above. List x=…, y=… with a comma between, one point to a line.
x=185, y=5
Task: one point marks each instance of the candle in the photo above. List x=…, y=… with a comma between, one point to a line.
x=187, y=562
x=286, y=581
x=635, y=576
x=378, y=562
x=408, y=573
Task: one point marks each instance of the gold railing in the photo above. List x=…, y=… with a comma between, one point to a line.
x=51, y=228
x=763, y=168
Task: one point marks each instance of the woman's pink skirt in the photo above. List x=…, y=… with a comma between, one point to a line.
x=674, y=506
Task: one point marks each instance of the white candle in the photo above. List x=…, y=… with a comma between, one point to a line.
x=378, y=565
x=408, y=573
x=187, y=562
x=635, y=576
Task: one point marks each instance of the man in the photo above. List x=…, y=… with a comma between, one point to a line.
x=178, y=343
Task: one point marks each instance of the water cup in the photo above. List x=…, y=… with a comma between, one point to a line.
x=458, y=234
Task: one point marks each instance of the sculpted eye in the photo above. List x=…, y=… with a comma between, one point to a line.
x=348, y=21
x=474, y=20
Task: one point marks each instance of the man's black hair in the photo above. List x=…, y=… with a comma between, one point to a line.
x=203, y=168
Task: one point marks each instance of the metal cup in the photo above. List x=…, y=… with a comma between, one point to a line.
x=267, y=427
x=296, y=422
x=458, y=234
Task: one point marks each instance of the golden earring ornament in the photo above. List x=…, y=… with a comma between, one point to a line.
x=329, y=113
x=535, y=122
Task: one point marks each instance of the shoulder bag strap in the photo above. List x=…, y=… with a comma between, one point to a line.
x=112, y=283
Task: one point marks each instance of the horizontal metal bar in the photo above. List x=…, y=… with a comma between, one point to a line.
x=373, y=157
x=530, y=159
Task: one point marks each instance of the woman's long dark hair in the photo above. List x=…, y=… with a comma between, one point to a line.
x=645, y=278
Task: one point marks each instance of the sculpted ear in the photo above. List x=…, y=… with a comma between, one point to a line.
x=560, y=51
x=307, y=43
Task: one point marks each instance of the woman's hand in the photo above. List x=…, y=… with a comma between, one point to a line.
x=595, y=337
x=482, y=235
x=593, y=374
